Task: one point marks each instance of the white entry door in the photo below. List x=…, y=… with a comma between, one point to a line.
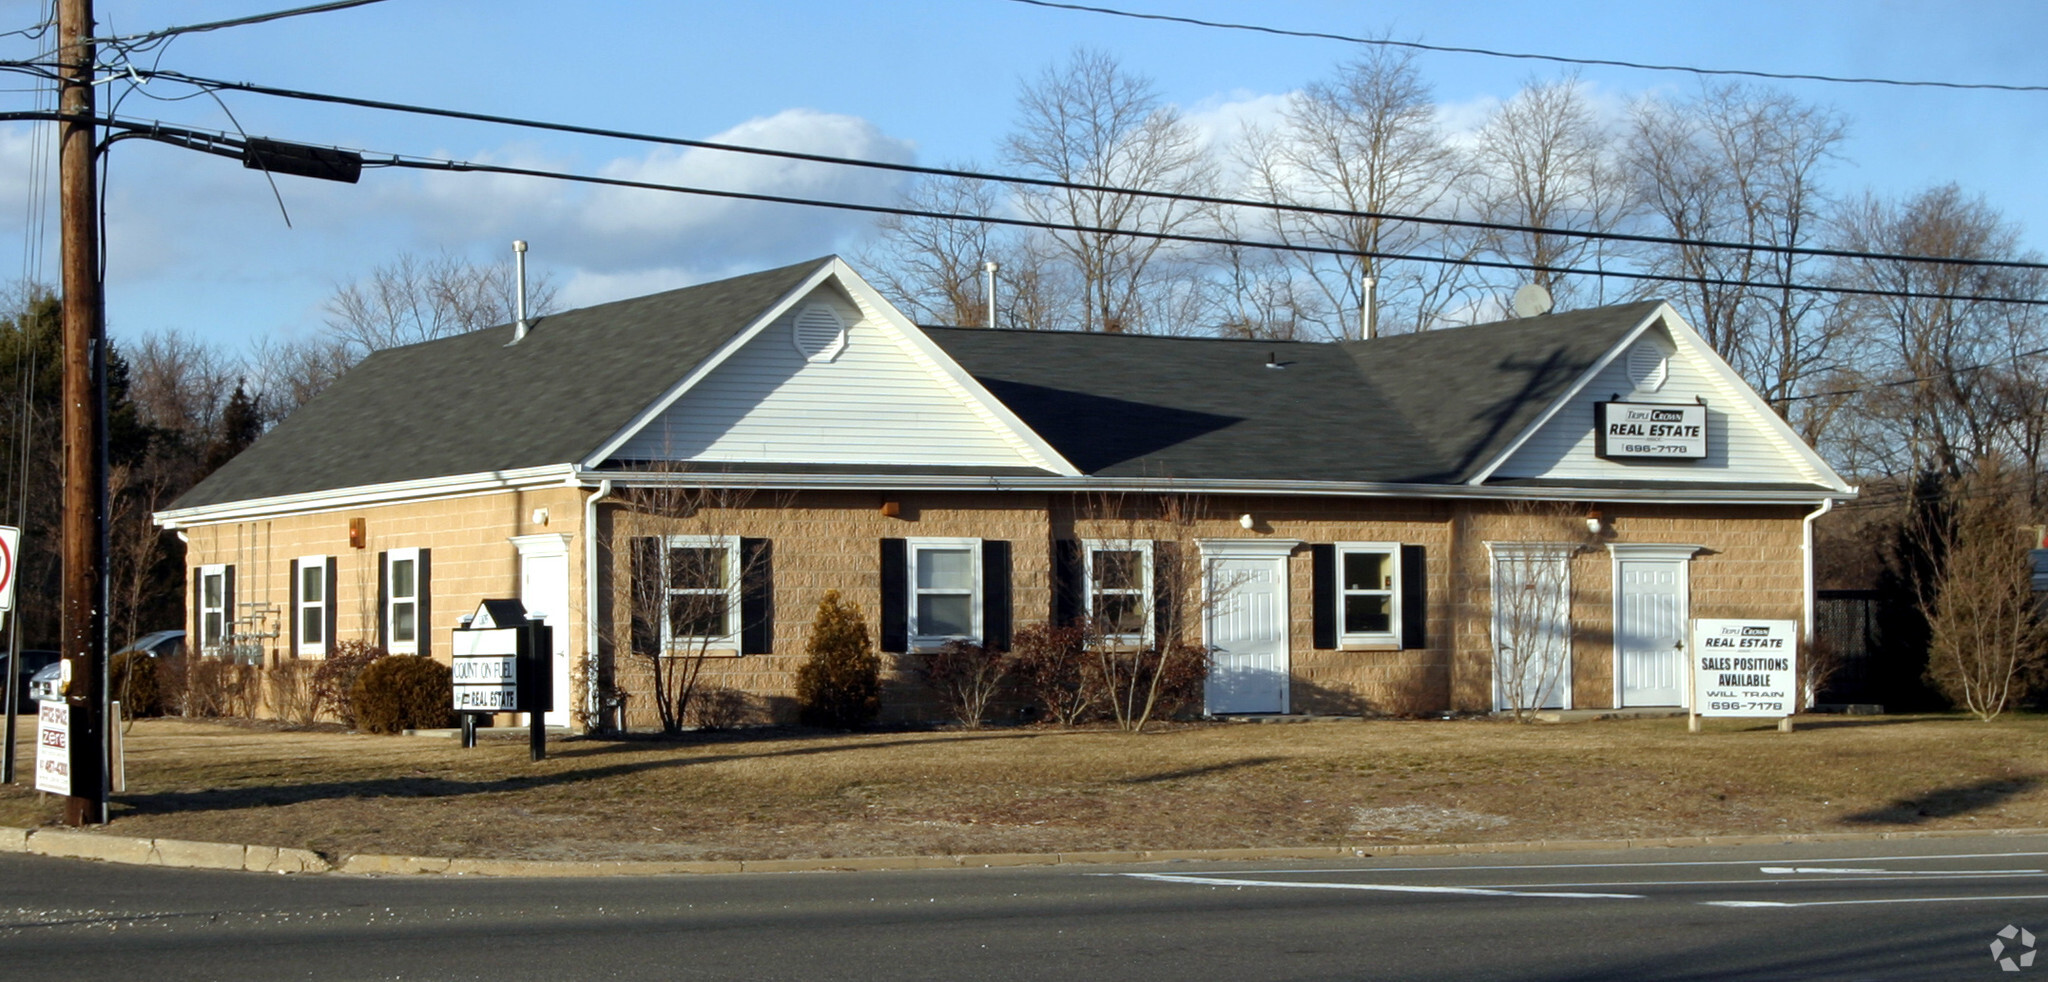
x=1246, y=629
x=1531, y=625
x=1650, y=626
x=544, y=590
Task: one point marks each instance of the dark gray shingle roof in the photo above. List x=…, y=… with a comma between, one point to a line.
x=468, y=404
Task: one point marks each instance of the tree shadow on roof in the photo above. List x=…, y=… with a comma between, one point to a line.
x=1073, y=422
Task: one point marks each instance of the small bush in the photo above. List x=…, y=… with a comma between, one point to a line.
x=289, y=688
x=965, y=676
x=1050, y=663
x=214, y=687
x=715, y=707
x=840, y=685
x=133, y=676
x=403, y=692
x=336, y=677
x=1139, y=684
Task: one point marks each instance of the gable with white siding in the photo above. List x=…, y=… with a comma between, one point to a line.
x=880, y=397
x=1666, y=362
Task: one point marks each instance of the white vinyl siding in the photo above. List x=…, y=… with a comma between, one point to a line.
x=402, y=601
x=879, y=401
x=1740, y=447
x=311, y=615
x=945, y=591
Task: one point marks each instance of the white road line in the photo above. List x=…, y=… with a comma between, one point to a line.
x=1795, y=881
x=1848, y=903
x=1889, y=872
x=1375, y=887
x=1700, y=862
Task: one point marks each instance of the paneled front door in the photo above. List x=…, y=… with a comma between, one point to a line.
x=1650, y=624
x=1246, y=625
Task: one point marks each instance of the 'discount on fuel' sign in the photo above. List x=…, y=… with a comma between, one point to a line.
x=1745, y=668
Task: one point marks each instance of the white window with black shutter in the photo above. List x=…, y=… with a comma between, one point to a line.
x=213, y=606
x=938, y=590
x=403, y=611
x=1368, y=595
x=1117, y=588
x=703, y=594
x=313, y=605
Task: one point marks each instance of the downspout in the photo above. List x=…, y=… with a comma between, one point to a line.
x=1806, y=553
x=591, y=704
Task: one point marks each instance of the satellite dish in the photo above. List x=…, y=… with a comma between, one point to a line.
x=1532, y=301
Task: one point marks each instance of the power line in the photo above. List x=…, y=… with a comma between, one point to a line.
x=1560, y=59
x=629, y=135
x=130, y=40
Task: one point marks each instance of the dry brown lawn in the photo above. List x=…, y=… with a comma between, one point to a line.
x=809, y=794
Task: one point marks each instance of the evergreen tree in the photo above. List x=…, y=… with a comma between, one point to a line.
x=840, y=685
x=241, y=422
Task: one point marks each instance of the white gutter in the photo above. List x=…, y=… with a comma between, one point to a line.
x=1358, y=489
x=360, y=495
x=590, y=700
x=1806, y=554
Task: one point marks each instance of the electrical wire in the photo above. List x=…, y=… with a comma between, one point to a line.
x=1522, y=56
x=1011, y=179
x=168, y=32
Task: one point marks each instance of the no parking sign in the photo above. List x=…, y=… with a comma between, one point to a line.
x=10, y=543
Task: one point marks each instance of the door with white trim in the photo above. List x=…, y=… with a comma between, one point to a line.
x=1531, y=625
x=544, y=591
x=1246, y=630
x=1650, y=626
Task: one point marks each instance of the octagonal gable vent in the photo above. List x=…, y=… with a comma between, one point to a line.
x=819, y=333
x=1647, y=367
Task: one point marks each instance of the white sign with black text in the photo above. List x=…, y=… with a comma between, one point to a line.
x=53, y=747
x=1745, y=668
x=487, y=670
x=1651, y=430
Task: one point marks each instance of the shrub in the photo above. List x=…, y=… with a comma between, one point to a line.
x=403, y=692
x=1138, y=683
x=214, y=687
x=1050, y=663
x=336, y=677
x=840, y=685
x=965, y=676
x=289, y=685
x=133, y=678
x=715, y=707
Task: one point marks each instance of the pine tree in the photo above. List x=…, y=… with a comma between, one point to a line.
x=840, y=685
x=241, y=422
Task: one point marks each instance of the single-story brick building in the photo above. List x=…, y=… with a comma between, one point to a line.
x=1464, y=519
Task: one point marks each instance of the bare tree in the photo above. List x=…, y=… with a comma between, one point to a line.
x=1090, y=122
x=1146, y=604
x=1987, y=643
x=1532, y=604
x=1365, y=141
x=1544, y=160
x=932, y=267
x=418, y=298
x=180, y=383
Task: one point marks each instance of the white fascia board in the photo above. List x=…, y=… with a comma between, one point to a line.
x=1084, y=484
x=986, y=402
x=704, y=368
x=1571, y=392
x=456, y=485
x=1683, y=334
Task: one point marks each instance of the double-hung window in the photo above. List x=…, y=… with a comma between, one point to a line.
x=945, y=591
x=403, y=587
x=1118, y=590
x=700, y=592
x=1369, y=592
x=213, y=612
x=310, y=618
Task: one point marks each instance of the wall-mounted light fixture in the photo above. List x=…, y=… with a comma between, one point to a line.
x=891, y=508
x=1246, y=520
x=357, y=537
x=1595, y=522
x=540, y=516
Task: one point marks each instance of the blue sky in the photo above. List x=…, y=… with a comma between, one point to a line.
x=197, y=243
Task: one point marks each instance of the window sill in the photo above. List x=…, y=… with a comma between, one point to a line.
x=1369, y=644
x=717, y=649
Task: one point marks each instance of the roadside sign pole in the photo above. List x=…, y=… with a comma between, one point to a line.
x=13, y=696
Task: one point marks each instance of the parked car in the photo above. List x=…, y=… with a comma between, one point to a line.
x=32, y=663
x=42, y=686
x=159, y=644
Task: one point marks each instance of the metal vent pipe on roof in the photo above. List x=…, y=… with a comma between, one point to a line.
x=988, y=270
x=1366, y=325
x=519, y=290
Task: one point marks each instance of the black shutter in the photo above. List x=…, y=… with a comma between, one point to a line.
x=1066, y=582
x=292, y=612
x=895, y=595
x=647, y=595
x=197, y=635
x=384, y=603
x=1414, y=598
x=227, y=603
x=995, y=593
x=333, y=592
x=757, y=597
x=423, y=616
x=1166, y=626
x=1323, y=594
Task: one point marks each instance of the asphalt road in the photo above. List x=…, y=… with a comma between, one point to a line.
x=1914, y=909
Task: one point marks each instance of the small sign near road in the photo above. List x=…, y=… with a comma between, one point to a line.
x=10, y=547
x=53, y=747
x=1745, y=668
x=487, y=670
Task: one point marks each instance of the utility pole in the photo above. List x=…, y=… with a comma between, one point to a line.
x=83, y=617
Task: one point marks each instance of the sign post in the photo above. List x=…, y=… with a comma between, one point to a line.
x=500, y=666
x=10, y=688
x=1745, y=668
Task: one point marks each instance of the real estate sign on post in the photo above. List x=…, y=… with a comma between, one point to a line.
x=1745, y=668
x=53, y=747
x=486, y=668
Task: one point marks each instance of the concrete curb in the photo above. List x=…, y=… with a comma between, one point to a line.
x=178, y=853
